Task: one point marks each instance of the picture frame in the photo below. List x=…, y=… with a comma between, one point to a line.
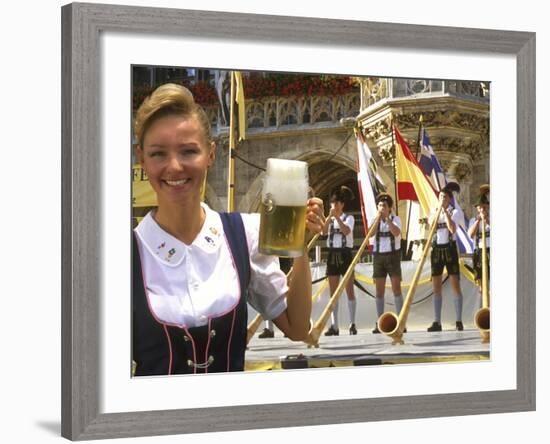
x=81, y=208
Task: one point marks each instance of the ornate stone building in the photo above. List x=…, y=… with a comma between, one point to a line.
x=318, y=128
x=454, y=113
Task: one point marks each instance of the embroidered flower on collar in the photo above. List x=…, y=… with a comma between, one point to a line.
x=170, y=254
x=214, y=231
x=210, y=240
x=161, y=246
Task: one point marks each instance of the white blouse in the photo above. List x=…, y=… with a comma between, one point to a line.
x=188, y=284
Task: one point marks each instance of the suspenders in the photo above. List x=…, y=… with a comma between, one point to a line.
x=478, y=236
x=331, y=233
x=385, y=234
x=441, y=225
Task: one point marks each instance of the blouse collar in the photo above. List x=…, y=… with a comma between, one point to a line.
x=171, y=251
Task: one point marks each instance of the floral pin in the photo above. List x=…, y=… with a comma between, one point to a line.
x=170, y=254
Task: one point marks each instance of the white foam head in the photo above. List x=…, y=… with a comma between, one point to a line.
x=286, y=181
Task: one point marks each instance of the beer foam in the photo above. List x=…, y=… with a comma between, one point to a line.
x=286, y=181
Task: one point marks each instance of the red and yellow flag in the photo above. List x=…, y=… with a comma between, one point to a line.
x=412, y=183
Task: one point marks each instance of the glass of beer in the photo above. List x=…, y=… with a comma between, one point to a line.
x=283, y=208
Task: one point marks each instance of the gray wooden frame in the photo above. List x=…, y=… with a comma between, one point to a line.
x=81, y=27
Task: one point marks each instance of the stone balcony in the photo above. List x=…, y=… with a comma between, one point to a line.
x=293, y=113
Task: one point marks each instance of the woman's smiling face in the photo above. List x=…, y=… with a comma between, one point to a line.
x=175, y=156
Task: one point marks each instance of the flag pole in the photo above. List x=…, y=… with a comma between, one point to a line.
x=394, y=168
x=231, y=158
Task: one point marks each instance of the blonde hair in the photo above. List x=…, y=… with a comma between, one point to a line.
x=167, y=100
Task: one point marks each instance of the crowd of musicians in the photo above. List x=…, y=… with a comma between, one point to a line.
x=387, y=254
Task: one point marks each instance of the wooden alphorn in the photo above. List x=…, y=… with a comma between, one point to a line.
x=315, y=332
x=482, y=318
x=391, y=324
x=255, y=323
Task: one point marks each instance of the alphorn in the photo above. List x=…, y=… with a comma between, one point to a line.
x=391, y=324
x=482, y=318
x=255, y=323
x=313, y=337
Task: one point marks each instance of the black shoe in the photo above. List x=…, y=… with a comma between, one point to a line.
x=267, y=333
x=332, y=331
x=376, y=331
x=459, y=326
x=352, y=329
x=436, y=326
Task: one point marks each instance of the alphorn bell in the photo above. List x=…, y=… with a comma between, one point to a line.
x=255, y=323
x=315, y=332
x=392, y=324
x=482, y=318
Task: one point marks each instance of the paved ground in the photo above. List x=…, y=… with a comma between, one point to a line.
x=366, y=349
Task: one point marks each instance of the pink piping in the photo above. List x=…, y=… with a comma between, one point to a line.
x=229, y=341
x=170, y=345
x=207, y=347
x=235, y=306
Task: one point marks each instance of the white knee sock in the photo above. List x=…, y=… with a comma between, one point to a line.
x=438, y=304
x=334, y=315
x=380, y=305
x=458, y=307
x=352, y=306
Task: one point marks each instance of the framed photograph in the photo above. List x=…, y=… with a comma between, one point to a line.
x=386, y=77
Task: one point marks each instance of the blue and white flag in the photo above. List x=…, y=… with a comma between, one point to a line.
x=433, y=170
x=429, y=163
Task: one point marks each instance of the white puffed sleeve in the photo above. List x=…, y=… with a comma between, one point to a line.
x=268, y=284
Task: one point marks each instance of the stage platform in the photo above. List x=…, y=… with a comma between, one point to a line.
x=365, y=348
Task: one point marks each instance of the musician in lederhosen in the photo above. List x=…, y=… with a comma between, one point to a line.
x=474, y=231
x=445, y=256
x=339, y=227
x=194, y=269
x=387, y=255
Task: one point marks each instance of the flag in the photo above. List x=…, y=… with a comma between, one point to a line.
x=370, y=183
x=433, y=171
x=223, y=89
x=412, y=183
x=429, y=163
x=239, y=98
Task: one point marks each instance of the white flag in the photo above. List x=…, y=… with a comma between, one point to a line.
x=369, y=181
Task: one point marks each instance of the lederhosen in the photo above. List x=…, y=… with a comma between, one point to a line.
x=478, y=251
x=444, y=255
x=159, y=348
x=387, y=262
x=339, y=259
